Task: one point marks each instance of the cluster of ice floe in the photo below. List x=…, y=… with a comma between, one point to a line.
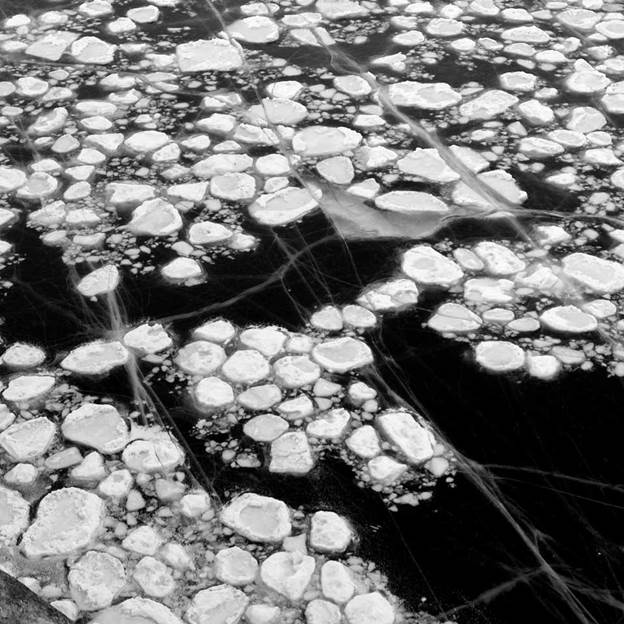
x=298, y=396
x=112, y=528
x=522, y=308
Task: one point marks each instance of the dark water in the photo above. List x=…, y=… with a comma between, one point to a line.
x=553, y=450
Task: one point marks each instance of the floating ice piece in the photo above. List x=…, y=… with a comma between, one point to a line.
x=213, y=393
x=408, y=435
x=148, y=338
x=499, y=180
x=21, y=356
x=500, y=356
x=235, y=566
x=160, y=454
x=27, y=388
x=146, y=141
x=233, y=186
x=92, y=50
x=537, y=147
x=427, y=266
x=255, y=29
x=200, y=358
x=341, y=355
x=208, y=55
x=183, y=270
x=153, y=577
x=391, y=295
x=260, y=397
x=411, y=202
x=288, y=573
x=354, y=85
x=143, y=540
x=155, y=217
x=586, y=79
x=385, y=470
x=15, y=516
x=219, y=331
x=337, y=582
x=144, y=15
x=543, y=366
x=247, y=366
x=329, y=532
x=96, y=580
x=331, y=425
x=427, y=164
x=99, y=282
x=67, y=521
x=336, y=169
x=52, y=45
x=428, y=96
x=594, y=274
x=568, y=319
x=258, y=518
x=28, y=440
x=11, y=179
x=128, y=194
x=364, y=442
x=291, y=454
x=38, y=186
x=488, y=104
x=370, y=608
x=325, y=140
x=283, y=206
x=296, y=371
x=95, y=358
x=455, y=319
x=138, y=610
x=265, y=427
x=498, y=259
x=96, y=425
x=585, y=119
x=49, y=122
x=526, y=34
x=268, y=340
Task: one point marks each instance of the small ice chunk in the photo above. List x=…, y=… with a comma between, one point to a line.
x=160, y=454
x=235, y=566
x=258, y=518
x=370, y=608
x=95, y=580
x=341, y=355
x=212, y=393
x=67, y=521
x=500, y=356
x=96, y=425
x=99, y=282
x=265, y=427
x=247, y=366
x=27, y=388
x=454, y=318
x=568, y=319
x=425, y=95
x=427, y=266
x=364, y=442
x=288, y=573
x=15, y=516
x=209, y=55
x=337, y=582
x=291, y=454
x=329, y=532
x=200, y=358
x=402, y=429
x=95, y=358
x=594, y=274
